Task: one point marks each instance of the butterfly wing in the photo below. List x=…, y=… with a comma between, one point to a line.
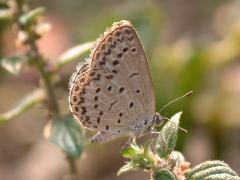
x=121, y=52
x=116, y=90
x=98, y=99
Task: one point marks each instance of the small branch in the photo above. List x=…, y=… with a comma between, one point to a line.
x=72, y=54
x=5, y=14
x=36, y=97
x=73, y=175
x=41, y=66
x=72, y=163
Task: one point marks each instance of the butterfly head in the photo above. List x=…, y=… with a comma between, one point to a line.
x=157, y=119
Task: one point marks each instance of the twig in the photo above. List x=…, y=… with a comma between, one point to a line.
x=36, y=97
x=41, y=66
x=72, y=54
x=72, y=164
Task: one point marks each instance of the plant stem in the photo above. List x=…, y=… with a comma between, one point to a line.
x=42, y=67
x=73, y=54
x=72, y=164
x=39, y=62
x=35, y=97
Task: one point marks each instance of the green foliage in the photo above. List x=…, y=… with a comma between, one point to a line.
x=5, y=14
x=141, y=157
x=129, y=166
x=168, y=137
x=62, y=130
x=34, y=98
x=67, y=134
x=158, y=157
x=214, y=170
x=163, y=175
x=31, y=17
x=13, y=64
x=73, y=53
x=144, y=157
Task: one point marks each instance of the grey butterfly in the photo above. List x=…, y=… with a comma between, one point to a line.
x=112, y=92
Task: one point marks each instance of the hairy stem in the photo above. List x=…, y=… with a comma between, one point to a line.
x=45, y=76
x=38, y=61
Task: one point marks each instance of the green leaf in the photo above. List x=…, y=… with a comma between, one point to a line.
x=36, y=97
x=67, y=134
x=73, y=54
x=129, y=166
x=31, y=16
x=140, y=157
x=168, y=136
x=5, y=14
x=214, y=170
x=163, y=175
x=148, y=154
x=133, y=151
x=178, y=158
x=13, y=64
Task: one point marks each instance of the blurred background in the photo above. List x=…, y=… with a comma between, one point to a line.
x=190, y=44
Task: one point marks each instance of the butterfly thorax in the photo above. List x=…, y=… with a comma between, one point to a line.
x=148, y=125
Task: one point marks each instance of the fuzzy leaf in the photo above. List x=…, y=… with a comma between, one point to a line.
x=178, y=158
x=129, y=166
x=140, y=157
x=73, y=54
x=5, y=14
x=132, y=151
x=163, y=175
x=148, y=154
x=31, y=16
x=67, y=134
x=168, y=136
x=214, y=170
x=13, y=64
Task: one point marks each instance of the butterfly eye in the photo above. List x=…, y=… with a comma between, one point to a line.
x=158, y=119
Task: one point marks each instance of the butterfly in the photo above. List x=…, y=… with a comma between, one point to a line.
x=112, y=91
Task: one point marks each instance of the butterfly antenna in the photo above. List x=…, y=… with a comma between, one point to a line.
x=177, y=99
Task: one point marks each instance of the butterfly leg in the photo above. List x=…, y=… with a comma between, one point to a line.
x=127, y=143
x=105, y=136
x=154, y=133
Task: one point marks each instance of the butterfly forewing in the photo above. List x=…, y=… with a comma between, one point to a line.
x=121, y=52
